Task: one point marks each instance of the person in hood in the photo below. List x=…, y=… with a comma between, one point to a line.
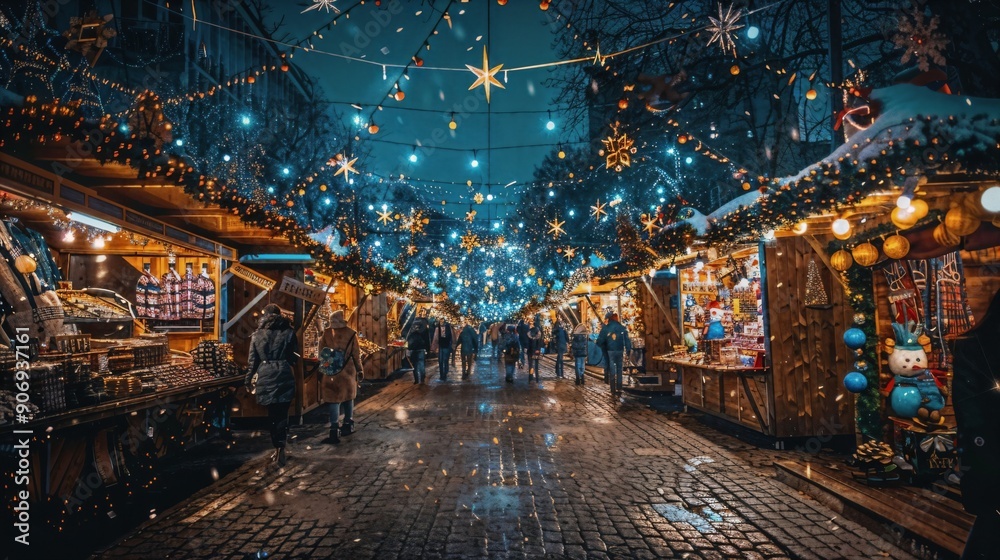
x=559, y=342
x=341, y=388
x=534, y=351
x=511, y=352
x=522, y=337
x=272, y=353
x=581, y=338
x=616, y=344
x=418, y=342
x=468, y=340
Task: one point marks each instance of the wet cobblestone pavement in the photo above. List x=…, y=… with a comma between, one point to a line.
x=482, y=469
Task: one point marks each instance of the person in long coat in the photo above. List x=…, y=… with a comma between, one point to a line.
x=418, y=342
x=977, y=410
x=468, y=340
x=340, y=389
x=272, y=354
x=559, y=342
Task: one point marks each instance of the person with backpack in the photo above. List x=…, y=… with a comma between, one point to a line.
x=534, y=351
x=342, y=371
x=581, y=336
x=511, y=352
x=559, y=342
x=615, y=343
x=418, y=342
x=269, y=377
x=441, y=343
x=468, y=339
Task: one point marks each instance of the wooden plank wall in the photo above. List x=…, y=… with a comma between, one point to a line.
x=660, y=338
x=372, y=324
x=808, y=356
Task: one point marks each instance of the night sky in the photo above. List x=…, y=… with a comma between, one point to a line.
x=518, y=34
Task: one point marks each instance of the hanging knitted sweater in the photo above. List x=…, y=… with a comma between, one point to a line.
x=203, y=296
x=147, y=296
x=170, y=307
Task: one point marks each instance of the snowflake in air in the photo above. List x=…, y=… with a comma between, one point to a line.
x=723, y=29
x=920, y=40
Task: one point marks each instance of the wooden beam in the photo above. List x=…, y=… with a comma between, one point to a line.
x=597, y=312
x=656, y=298
x=352, y=318
x=244, y=311
x=821, y=253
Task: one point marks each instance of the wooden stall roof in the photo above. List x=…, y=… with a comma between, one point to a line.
x=156, y=198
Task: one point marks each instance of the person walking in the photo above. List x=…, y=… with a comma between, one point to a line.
x=455, y=331
x=495, y=338
x=339, y=387
x=511, y=352
x=615, y=343
x=468, y=339
x=534, y=351
x=522, y=337
x=581, y=336
x=273, y=349
x=442, y=344
x=559, y=342
x=418, y=342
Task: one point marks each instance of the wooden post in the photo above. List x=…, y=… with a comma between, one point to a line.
x=353, y=317
x=836, y=66
x=597, y=312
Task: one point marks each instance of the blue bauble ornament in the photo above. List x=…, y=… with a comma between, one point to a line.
x=855, y=338
x=855, y=382
x=905, y=401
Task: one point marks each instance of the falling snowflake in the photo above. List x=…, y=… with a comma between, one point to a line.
x=724, y=28
x=478, y=198
x=327, y=5
x=470, y=241
x=920, y=40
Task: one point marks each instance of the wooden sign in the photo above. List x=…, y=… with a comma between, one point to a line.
x=252, y=276
x=303, y=291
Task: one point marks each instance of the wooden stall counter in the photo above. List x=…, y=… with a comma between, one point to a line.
x=735, y=393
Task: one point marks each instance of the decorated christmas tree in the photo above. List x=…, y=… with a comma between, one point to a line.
x=815, y=292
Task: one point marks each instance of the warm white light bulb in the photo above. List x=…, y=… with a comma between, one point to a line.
x=991, y=199
x=800, y=228
x=99, y=243
x=903, y=202
x=841, y=226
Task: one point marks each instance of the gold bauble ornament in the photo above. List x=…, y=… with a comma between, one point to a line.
x=903, y=219
x=920, y=208
x=841, y=260
x=945, y=237
x=734, y=69
x=25, y=264
x=896, y=247
x=865, y=254
x=961, y=221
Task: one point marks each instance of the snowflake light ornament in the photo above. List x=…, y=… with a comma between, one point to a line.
x=327, y=5
x=920, y=40
x=618, y=150
x=470, y=241
x=723, y=29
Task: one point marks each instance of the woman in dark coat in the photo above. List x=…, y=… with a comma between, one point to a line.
x=534, y=351
x=418, y=342
x=977, y=410
x=272, y=353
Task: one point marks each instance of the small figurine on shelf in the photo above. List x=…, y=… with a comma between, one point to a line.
x=914, y=391
x=714, y=329
x=690, y=341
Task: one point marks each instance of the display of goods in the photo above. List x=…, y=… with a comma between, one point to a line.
x=122, y=386
x=367, y=347
x=79, y=389
x=7, y=362
x=81, y=305
x=216, y=357
x=8, y=409
x=176, y=375
x=713, y=349
x=72, y=343
x=121, y=359
x=48, y=387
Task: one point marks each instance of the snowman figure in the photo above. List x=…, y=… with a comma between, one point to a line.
x=714, y=330
x=914, y=392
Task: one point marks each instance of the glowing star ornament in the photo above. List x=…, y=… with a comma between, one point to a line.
x=327, y=5
x=569, y=253
x=485, y=76
x=454, y=268
x=438, y=262
x=470, y=241
x=411, y=250
x=618, y=151
x=598, y=210
x=531, y=272
x=479, y=198
x=489, y=272
x=470, y=216
x=346, y=167
x=385, y=217
x=556, y=227
x=649, y=223
x=723, y=29
x=415, y=222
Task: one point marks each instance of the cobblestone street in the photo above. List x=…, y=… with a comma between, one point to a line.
x=481, y=469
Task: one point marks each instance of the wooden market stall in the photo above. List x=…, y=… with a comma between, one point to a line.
x=773, y=364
